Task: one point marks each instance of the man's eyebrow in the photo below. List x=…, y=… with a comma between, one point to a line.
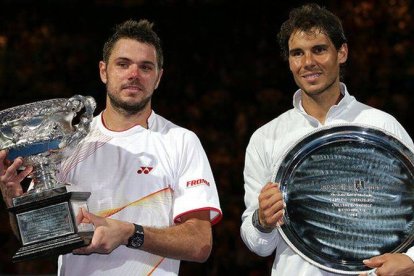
x=130, y=60
x=323, y=45
x=294, y=50
x=148, y=62
x=122, y=59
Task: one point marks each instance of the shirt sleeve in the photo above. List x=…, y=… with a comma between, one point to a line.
x=410, y=253
x=196, y=188
x=394, y=127
x=257, y=172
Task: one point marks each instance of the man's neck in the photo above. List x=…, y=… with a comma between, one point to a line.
x=318, y=105
x=117, y=120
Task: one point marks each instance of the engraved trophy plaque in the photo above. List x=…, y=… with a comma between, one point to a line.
x=349, y=195
x=42, y=134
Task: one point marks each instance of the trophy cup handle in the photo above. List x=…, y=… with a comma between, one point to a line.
x=76, y=103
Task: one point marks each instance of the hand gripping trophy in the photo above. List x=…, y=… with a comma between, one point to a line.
x=42, y=133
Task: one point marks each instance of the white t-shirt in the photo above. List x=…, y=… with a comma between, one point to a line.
x=267, y=147
x=145, y=176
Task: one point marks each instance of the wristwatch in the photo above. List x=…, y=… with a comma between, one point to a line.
x=257, y=225
x=137, y=239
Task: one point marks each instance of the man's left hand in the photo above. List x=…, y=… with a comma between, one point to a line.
x=108, y=234
x=391, y=264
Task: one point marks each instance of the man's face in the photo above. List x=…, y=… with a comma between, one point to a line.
x=314, y=61
x=131, y=75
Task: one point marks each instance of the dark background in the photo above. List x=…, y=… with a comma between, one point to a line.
x=223, y=78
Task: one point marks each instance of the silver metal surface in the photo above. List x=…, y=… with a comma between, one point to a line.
x=349, y=195
x=45, y=223
x=42, y=132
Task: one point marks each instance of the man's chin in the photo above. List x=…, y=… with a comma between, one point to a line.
x=132, y=108
x=314, y=89
x=129, y=104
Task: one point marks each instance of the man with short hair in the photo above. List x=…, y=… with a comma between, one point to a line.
x=314, y=43
x=153, y=195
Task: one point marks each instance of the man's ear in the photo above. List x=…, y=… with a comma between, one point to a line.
x=159, y=78
x=102, y=72
x=343, y=53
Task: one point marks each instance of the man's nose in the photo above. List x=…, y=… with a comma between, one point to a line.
x=308, y=59
x=134, y=71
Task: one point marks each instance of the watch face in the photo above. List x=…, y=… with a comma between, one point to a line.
x=137, y=239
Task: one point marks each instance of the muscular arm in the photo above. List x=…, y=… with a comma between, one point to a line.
x=191, y=240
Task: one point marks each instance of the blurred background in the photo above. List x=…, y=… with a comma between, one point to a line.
x=223, y=78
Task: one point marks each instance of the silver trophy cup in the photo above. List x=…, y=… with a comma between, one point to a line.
x=42, y=133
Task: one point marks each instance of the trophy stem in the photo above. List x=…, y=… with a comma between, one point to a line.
x=44, y=177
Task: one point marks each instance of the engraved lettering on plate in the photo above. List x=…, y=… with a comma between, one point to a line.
x=45, y=223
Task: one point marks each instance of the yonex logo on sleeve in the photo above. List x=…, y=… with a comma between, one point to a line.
x=197, y=182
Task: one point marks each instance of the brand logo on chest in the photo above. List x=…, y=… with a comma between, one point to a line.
x=146, y=163
x=144, y=170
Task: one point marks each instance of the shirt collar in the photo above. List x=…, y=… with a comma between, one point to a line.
x=151, y=120
x=347, y=98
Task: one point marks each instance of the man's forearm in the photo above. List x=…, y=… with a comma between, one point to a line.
x=190, y=241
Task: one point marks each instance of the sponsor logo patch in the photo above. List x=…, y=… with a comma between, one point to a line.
x=196, y=182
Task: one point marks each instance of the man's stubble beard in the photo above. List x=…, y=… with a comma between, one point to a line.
x=127, y=108
x=320, y=91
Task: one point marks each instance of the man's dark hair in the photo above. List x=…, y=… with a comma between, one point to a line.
x=306, y=18
x=138, y=30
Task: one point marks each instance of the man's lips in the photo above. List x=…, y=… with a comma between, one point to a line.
x=312, y=76
x=132, y=88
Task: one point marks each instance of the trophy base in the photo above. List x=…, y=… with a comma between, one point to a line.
x=48, y=223
x=58, y=246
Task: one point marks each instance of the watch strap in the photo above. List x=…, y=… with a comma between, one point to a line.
x=137, y=239
x=257, y=225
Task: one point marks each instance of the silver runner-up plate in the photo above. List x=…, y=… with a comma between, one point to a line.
x=349, y=196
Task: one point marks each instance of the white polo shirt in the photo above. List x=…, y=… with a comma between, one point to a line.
x=145, y=176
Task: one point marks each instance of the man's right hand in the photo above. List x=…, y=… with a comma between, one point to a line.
x=270, y=206
x=10, y=178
